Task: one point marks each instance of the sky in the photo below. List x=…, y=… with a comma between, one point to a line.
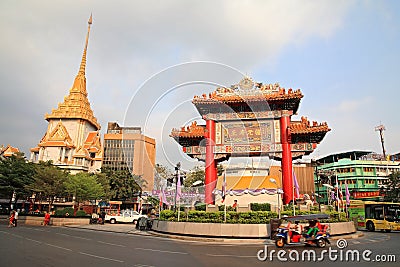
x=147, y=59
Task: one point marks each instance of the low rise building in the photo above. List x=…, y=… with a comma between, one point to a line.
x=126, y=148
x=363, y=172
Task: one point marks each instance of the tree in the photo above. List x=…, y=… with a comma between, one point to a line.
x=197, y=174
x=162, y=174
x=123, y=185
x=105, y=183
x=48, y=182
x=15, y=174
x=84, y=187
x=391, y=189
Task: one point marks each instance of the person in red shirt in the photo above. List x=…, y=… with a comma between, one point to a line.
x=11, y=221
x=46, y=218
x=234, y=204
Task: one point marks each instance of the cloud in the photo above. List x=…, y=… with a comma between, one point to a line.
x=42, y=43
x=347, y=106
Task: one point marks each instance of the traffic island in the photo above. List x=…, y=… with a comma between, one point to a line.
x=223, y=230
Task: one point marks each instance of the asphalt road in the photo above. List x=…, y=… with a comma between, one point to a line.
x=61, y=246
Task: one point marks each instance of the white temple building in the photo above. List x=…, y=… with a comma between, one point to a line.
x=72, y=140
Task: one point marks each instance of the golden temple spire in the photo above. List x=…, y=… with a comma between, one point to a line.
x=83, y=62
x=76, y=104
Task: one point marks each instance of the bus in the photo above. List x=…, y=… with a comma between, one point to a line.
x=384, y=216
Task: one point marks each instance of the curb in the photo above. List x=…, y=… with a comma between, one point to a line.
x=244, y=240
x=204, y=239
x=211, y=239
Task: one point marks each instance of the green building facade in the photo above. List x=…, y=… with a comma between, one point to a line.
x=363, y=172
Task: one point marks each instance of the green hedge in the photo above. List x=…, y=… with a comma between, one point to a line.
x=252, y=217
x=70, y=211
x=260, y=206
x=200, y=207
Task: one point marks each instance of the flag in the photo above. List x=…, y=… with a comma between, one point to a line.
x=178, y=187
x=333, y=195
x=160, y=195
x=224, y=188
x=347, y=194
x=340, y=193
x=296, y=186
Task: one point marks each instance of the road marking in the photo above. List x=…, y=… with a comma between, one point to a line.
x=162, y=251
x=33, y=240
x=356, y=242
x=5, y=232
x=20, y=236
x=111, y=244
x=231, y=256
x=142, y=265
x=58, y=247
x=40, y=230
x=100, y=257
x=74, y=236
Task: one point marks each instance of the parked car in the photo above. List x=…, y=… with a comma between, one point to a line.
x=128, y=216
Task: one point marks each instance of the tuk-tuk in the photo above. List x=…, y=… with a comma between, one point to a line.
x=293, y=233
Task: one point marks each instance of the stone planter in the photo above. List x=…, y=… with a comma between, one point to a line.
x=34, y=220
x=234, y=230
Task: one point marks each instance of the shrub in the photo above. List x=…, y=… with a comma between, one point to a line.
x=165, y=215
x=253, y=217
x=289, y=207
x=260, y=206
x=80, y=213
x=200, y=207
x=228, y=208
x=70, y=212
x=64, y=211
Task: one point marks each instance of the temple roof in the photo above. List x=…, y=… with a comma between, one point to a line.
x=58, y=137
x=8, y=151
x=76, y=105
x=249, y=94
x=92, y=144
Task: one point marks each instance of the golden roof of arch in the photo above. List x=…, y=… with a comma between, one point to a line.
x=191, y=131
x=247, y=90
x=305, y=127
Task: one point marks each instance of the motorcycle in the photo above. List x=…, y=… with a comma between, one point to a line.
x=314, y=234
x=95, y=220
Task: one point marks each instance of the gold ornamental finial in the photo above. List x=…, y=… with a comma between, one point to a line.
x=83, y=62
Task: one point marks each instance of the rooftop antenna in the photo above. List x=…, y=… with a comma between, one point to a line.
x=381, y=128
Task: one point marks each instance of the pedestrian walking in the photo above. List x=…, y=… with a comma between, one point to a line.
x=11, y=220
x=15, y=218
x=46, y=218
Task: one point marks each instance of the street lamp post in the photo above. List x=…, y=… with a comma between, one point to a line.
x=177, y=168
x=315, y=163
x=272, y=180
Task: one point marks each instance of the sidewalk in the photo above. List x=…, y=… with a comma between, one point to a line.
x=131, y=229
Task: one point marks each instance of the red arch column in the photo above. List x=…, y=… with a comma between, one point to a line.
x=211, y=167
x=286, y=163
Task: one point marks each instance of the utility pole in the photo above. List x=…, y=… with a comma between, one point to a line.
x=381, y=128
